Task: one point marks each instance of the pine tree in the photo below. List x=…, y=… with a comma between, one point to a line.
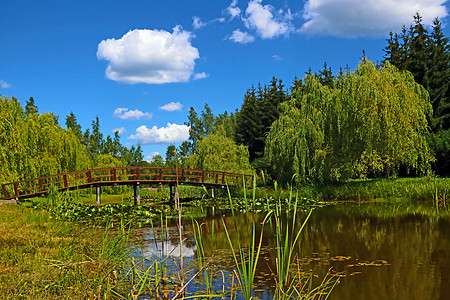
x=258, y=112
x=427, y=56
x=440, y=78
x=31, y=108
x=71, y=122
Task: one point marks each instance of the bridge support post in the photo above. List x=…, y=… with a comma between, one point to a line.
x=173, y=198
x=212, y=193
x=137, y=196
x=99, y=191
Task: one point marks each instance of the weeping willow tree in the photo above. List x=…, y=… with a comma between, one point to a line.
x=372, y=122
x=33, y=145
x=218, y=152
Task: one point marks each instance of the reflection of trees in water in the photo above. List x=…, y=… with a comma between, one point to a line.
x=416, y=246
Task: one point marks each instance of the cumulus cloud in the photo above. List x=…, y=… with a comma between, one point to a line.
x=197, y=23
x=241, y=37
x=149, y=56
x=200, y=75
x=233, y=10
x=266, y=21
x=351, y=18
x=127, y=114
x=4, y=84
x=173, y=133
x=172, y=106
x=120, y=130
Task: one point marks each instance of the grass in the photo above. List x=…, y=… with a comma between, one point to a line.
x=422, y=189
x=41, y=258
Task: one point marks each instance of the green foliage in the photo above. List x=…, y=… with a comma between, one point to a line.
x=427, y=56
x=34, y=145
x=71, y=123
x=371, y=122
x=200, y=126
x=440, y=147
x=216, y=152
x=259, y=110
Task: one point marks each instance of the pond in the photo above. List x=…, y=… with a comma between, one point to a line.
x=379, y=250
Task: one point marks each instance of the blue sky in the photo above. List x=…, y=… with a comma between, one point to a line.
x=140, y=65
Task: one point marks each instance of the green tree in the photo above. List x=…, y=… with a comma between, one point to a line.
x=427, y=56
x=95, y=144
x=372, y=122
x=258, y=112
x=157, y=161
x=170, y=156
x=216, y=152
x=31, y=108
x=200, y=126
x=34, y=145
x=71, y=122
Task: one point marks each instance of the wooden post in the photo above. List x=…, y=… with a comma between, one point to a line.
x=65, y=181
x=160, y=174
x=113, y=175
x=89, y=176
x=217, y=178
x=5, y=194
x=182, y=174
x=223, y=178
x=138, y=173
x=99, y=191
x=16, y=190
x=41, y=187
x=137, y=196
x=203, y=176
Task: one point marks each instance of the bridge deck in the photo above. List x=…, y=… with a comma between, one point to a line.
x=120, y=176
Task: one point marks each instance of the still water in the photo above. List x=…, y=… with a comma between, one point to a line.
x=382, y=251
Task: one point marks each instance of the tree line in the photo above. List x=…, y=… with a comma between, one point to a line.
x=382, y=119
x=33, y=144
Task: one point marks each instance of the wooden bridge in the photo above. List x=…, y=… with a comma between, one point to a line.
x=133, y=176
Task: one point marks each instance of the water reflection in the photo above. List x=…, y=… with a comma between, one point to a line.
x=386, y=252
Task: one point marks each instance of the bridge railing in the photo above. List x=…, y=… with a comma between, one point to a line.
x=120, y=175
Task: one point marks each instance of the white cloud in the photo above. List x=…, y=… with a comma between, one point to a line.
x=151, y=155
x=197, y=23
x=267, y=23
x=353, y=18
x=241, y=37
x=149, y=56
x=276, y=57
x=126, y=114
x=200, y=75
x=172, y=106
x=4, y=84
x=173, y=133
x=233, y=10
x=120, y=130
